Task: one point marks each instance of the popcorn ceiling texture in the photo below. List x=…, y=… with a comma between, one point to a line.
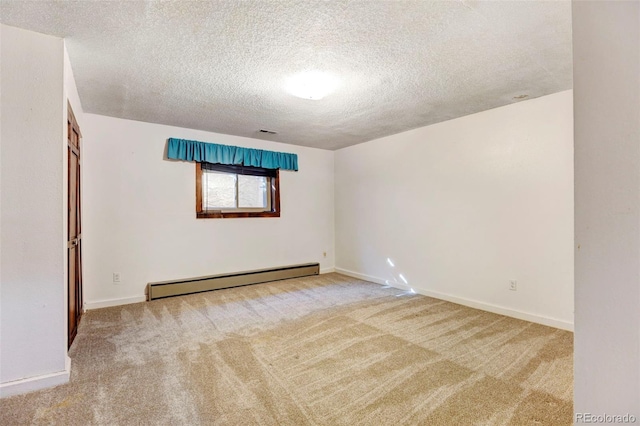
x=220, y=66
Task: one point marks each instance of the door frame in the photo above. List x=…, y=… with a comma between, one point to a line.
x=73, y=245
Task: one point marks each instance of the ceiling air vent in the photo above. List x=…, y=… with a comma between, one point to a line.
x=268, y=132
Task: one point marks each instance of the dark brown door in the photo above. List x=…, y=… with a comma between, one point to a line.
x=74, y=234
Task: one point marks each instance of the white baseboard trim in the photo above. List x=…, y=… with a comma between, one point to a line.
x=17, y=387
x=107, y=303
x=361, y=276
x=97, y=304
x=526, y=316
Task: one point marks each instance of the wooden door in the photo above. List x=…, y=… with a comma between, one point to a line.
x=74, y=230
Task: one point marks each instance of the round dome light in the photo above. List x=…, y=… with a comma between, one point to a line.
x=311, y=84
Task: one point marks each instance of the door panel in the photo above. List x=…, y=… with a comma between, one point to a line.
x=74, y=237
x=73, y=196
x=73, y=312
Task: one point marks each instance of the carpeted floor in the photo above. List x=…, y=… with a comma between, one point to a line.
x=324, y=350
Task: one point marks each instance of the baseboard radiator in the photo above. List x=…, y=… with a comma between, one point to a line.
x=159, y=290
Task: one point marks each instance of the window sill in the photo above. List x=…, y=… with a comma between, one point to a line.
x=227, y=215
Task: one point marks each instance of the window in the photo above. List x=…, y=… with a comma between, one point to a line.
x=224, y=191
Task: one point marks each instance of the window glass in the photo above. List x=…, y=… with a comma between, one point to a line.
x=252, y=191
x=219, y=190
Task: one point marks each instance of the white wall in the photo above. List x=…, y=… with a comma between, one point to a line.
x=606, y=42
x=71, y=94
x=33, y=318
x=464, y=206
x=139, y=212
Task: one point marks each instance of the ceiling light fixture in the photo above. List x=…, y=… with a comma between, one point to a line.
x=311, y=84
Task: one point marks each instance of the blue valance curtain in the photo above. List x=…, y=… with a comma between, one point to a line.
x=201, y=152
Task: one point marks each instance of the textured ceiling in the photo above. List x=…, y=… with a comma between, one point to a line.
x=221, y=65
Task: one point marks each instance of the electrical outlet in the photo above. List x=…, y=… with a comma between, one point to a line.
x=513, y=285
x=116, y=277
x=324, y=254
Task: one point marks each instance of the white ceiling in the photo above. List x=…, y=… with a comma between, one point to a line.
x=220, y=65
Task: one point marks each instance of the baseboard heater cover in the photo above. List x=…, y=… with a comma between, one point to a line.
x=159, y=290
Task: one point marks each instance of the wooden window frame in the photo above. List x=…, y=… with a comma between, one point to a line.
x=204, y=214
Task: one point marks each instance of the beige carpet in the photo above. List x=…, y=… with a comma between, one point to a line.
x=325, y=350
